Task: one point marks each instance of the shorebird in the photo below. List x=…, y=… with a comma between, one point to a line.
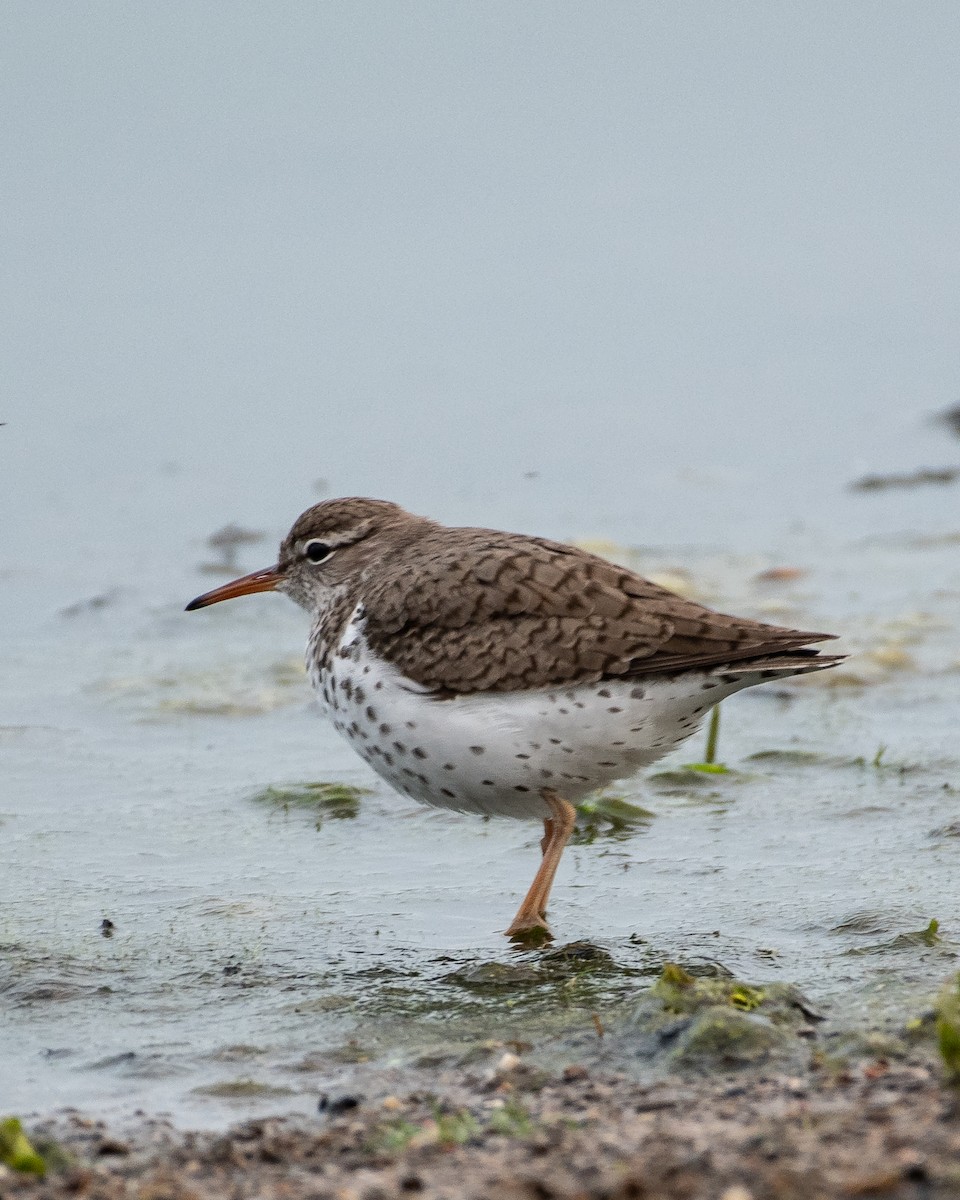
x=502, y=674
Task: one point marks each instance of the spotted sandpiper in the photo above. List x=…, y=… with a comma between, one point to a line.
x=501, y=674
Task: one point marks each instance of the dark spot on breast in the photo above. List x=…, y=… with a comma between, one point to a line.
x=447, y=792
x=520, y=788
x=545, y=773
x=534, y=745
x=487, y=782
x=400, y=747
x=604, y=693
x=371, y=713
x=449, y=767
x=411, y=724
x=359, y=694
x=419, y=752
x=554, y=741
x=385, y=729
x=388, y=758
x=407, y=771
x=523, y=756
x=613, y=708
x=378, y=685
x=606, y=763
x=637, y=693
x=477, y=749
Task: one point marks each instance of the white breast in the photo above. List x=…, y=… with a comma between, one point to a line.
x=492, y=752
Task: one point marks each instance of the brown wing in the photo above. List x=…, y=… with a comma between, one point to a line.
x=489, y=611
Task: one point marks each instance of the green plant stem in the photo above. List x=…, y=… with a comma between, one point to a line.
x=713, y=736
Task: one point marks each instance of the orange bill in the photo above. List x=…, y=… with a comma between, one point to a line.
x=259, y=581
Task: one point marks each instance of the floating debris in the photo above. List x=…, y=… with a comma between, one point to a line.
x=781, y=575
x=951, y=418
x=227, y=542
x=94, y=604
x=906, y=479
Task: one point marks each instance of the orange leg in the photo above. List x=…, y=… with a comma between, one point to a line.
x=544, y=843
x=557, y=829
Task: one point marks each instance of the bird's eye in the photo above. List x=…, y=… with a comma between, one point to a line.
x=317, y=551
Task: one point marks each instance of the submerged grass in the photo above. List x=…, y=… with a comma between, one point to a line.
x=338, y=801
x=611, y=817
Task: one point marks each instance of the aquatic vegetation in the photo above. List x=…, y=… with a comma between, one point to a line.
x=241, y=1089
x=719, y=1021
x=948, y=1026
x=338, y=801
x=681, y=992
x=604, y=816
x=17, y=1151
x=710, y=766
x=455, y=1128
x=906, y=479
x=390, y=1137
x=512, y=1120
x=789, y=758
x=713, y=736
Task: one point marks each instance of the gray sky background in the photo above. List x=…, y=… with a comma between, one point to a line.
x=686, y=260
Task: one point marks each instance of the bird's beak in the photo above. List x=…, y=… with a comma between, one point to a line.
x=259, y=581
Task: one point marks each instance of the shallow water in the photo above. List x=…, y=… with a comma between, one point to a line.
x=256, y=953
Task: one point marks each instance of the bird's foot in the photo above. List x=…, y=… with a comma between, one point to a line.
x=529, y=930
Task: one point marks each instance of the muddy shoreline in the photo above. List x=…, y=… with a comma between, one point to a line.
x=870, y=1128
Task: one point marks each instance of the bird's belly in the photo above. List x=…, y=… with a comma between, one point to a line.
x=493, y=752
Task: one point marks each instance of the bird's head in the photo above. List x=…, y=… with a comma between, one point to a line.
x=328, y=547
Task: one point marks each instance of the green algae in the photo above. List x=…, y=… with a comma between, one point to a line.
x=929, y=937
x=391, y=1137
x=17, y=1151
x=788, y=758
x=720, y=1022
x=948, y=1027
x=512, y=1120
x=720, y=1037
x=241, y=1089
x=337, y=801
x=455, y=1128
x=610, y=817
x=681, y=992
